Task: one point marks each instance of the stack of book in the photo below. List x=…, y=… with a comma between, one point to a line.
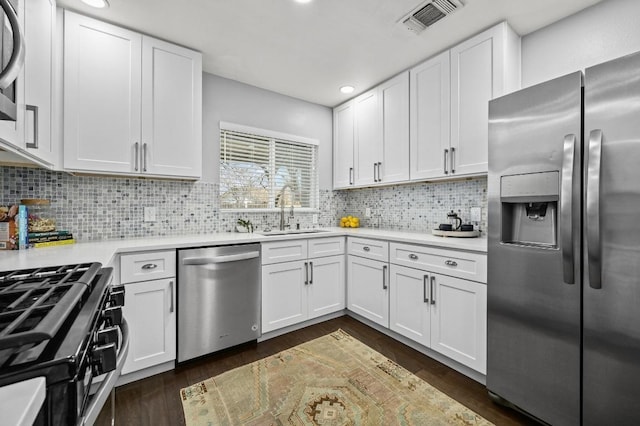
x=52, y=238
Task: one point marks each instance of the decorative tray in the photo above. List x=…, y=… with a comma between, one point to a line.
x=457, y=234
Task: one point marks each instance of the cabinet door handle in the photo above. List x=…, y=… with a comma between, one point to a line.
x=306, y=273
x=446, y=158
x=34, y=143
x=379, y=173
x=311, y=275
x=453, y=160
x=451, y=263
x=136, y=150
x=424, y=289
x=366, y=248
x=149, y=266
x=171, y=296
x=144, y=157
x=433, y=284
x=350, y=175
x=413, y=256
x=384, y=277
x=375, y=176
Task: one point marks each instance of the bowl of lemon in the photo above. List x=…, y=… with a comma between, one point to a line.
x=349, y=222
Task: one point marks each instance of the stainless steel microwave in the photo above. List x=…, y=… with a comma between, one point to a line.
x=11, y=57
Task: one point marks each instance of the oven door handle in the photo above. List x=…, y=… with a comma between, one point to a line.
x=10, y=73
x=100, y=397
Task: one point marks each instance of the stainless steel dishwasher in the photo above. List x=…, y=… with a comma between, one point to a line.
x=218, y=298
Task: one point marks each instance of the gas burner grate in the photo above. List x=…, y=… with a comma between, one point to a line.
x=34, y=303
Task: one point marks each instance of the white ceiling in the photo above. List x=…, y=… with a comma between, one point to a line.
x=309, y=50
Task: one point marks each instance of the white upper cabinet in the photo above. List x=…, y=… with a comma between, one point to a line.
x=368, y=139
x=379, y=123
x=29, y=135
x=429, y=106
x=171, y=109
x=39, y=33
x=132, y=104
x=102, y=96
x=343, y=138
x=394, y=106
x=482, y=68
x=431, y=122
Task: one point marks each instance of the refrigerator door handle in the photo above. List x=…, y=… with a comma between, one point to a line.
x=593, y=209
x=566, y=208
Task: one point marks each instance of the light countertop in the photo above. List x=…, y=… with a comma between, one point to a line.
x=105, y=251
x=20, y=402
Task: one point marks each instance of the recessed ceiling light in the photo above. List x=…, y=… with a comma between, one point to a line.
x=100, y=4
x=347, y=89
x=303, y=1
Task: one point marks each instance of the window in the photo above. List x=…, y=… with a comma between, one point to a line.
x=256, y=164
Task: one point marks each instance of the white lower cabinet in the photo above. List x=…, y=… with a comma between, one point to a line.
x=300, y=290
x=367, y=289
x=444, y=313
x=284, y=294
x=149, y=280
x=150, y=311
x=459, y=321
x=326, y=290
x=409, y=304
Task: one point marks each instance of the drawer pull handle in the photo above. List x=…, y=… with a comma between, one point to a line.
x=413, y=256
x=365, y=248
x=149, y=266
x=451, y=263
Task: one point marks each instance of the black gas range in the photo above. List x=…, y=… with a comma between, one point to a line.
x=63, y=323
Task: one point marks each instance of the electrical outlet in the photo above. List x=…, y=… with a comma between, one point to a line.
x=476, y=214
x=367, y=212
x=149, y=214
x=314, y=219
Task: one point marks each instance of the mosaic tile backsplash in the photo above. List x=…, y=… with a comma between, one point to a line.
x=98, y=208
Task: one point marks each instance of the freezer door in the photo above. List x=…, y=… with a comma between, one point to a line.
x=534, y=249
x=611, y=291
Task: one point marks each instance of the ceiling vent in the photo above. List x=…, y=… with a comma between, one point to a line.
x=429, y=13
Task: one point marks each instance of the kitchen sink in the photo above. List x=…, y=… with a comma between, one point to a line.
x=292, y=232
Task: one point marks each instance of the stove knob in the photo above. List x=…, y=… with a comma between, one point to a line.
x=107, y=335
x=116, y=298
x=112, y=316
x=104, y=358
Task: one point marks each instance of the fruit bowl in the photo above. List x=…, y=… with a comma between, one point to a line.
x=349, y=222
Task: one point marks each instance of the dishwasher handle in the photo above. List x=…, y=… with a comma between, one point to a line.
x=208, y=260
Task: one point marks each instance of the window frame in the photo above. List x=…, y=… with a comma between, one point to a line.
x=273, y=136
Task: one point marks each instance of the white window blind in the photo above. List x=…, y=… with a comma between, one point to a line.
x=255, y=168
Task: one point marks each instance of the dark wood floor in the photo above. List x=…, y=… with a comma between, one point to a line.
x=155, y=400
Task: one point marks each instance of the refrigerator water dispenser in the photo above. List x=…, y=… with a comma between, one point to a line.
x=529, y=209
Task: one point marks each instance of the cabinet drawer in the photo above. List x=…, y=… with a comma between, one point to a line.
x=284, y=251
x=321, y=247
x=147, y=266
x=470, y=266
x=371, y=249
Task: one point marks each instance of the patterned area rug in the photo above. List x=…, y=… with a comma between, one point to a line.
x=333, y=380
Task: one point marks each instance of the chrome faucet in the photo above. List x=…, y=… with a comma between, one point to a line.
x=281, y=198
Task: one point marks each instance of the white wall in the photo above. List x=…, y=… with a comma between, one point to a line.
x=605, y=31
x=235, y=102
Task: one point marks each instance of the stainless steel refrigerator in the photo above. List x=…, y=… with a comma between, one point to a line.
x=564, y=247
